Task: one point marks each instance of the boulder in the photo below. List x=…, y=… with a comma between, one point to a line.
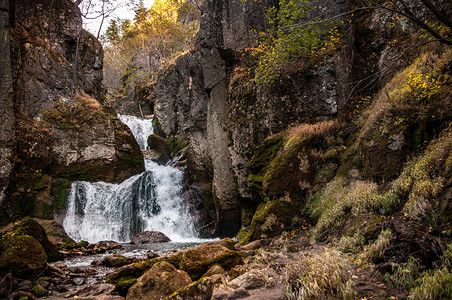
x=199, y=290
x=216, y=269
x=22, y=256
x=32, y=228
x=115, y=261
x=195, y=261
x=198, y=260
x=159, y=282
x=161, y=146
x=148, y=237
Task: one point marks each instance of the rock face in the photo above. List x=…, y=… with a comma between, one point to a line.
x=202, y=98
x=7, y=136
x=54, y=119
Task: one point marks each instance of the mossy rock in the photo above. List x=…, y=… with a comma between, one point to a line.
x=39, y=291
x=198, y=260
x=176, y=143
x=161, y=146
x=260, y=158
x=23, y=256
x=159, y=282
x=289, y=168
x=59, y=193
x=32, y=228
x=215, y=269
x=271, y=218
x=195, y=261
x=201, y=289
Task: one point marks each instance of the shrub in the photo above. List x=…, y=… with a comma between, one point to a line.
x=351, y=244
x=73, y=112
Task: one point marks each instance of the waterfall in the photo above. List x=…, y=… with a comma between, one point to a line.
x=141, y=128
x=149, y=201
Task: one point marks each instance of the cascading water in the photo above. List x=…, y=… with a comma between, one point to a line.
x=148, y=201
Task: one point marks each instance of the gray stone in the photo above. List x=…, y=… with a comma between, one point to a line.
x=148, y=237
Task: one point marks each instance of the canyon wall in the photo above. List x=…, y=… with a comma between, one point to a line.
x=203, y=98
x=57, y=124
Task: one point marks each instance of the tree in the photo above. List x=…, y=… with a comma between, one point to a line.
x=440, y=17
x=294, y=36
x=161, y=31
x=98, y=9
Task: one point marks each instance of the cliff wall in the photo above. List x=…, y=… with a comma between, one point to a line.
x=204, y=99
x=58, y=127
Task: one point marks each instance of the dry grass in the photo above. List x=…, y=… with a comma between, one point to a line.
x=339, y=199
x=375, y=251
x=425, y=177
x=308, y=131
x=73, y=112
x=436, y=284
x=319, y=275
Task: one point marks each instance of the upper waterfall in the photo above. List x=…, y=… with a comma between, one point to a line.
x=141, y=128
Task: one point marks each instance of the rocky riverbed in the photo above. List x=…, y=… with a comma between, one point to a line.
x=277, y=268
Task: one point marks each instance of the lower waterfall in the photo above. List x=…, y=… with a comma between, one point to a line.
x=99, y=211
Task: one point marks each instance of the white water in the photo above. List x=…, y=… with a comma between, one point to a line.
x=148, y=201
x=141, y=128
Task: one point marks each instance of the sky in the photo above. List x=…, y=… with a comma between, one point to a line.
x=125, y=11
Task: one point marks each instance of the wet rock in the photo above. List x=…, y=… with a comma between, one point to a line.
x=160, y=146
x=159, y=282
x=151, y=254
x=78, y=281
x=115, y=261
x=101, y=289
x=25, y=285
x=148, y=237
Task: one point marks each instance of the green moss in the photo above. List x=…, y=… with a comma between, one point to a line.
x=23, y=256
x=271, y=217
x=176, y=143
x=32, y=228
x=39, y=291
x=123, y=285
x=82, y=244
x=263, y=154
x=192, y=290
